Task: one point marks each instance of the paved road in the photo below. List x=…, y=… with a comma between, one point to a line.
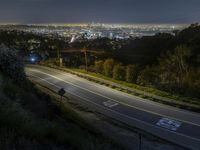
x=175, y=125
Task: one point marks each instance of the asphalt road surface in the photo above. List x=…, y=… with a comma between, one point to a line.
x=175, y=125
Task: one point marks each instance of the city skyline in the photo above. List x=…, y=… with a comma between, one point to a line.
x=110, y=11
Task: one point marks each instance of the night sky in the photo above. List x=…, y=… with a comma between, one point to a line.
x=103, y=11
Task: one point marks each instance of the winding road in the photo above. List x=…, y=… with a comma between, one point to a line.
x=172, y=124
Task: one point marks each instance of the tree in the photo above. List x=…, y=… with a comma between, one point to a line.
x=148, y=77
x=99, y=66
x=108, y=67
x=174, y=68
x=131, y=73
x=119, y=72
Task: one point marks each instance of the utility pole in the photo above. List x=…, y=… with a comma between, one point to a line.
x=86, y=59
x=58, y=53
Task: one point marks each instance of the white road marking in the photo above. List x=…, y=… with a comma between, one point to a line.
x=114, y=99
x=169, y=124
x=45, y=81
x=110, y=104
x=125, y=94
x=131, y=118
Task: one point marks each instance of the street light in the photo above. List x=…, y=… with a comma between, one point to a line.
x=33, y=59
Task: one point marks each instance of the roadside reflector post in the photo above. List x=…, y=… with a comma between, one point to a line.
x=61, y=92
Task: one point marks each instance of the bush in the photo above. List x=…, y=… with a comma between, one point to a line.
x=11, y=64
x=191, y=83
x=91, y=68
x=148, y=77
x=108, y=67
x=119, y=72
x=99, y=66
x=131, y=73
x=11, y=91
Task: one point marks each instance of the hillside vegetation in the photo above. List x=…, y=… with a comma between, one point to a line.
x=30, y=119
x=168, y=62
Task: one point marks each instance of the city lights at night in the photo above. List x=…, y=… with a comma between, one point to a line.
x=99, y=75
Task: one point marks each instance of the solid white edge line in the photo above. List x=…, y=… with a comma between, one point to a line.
x=122, y=114
x=161, y=115
x=125, y=94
